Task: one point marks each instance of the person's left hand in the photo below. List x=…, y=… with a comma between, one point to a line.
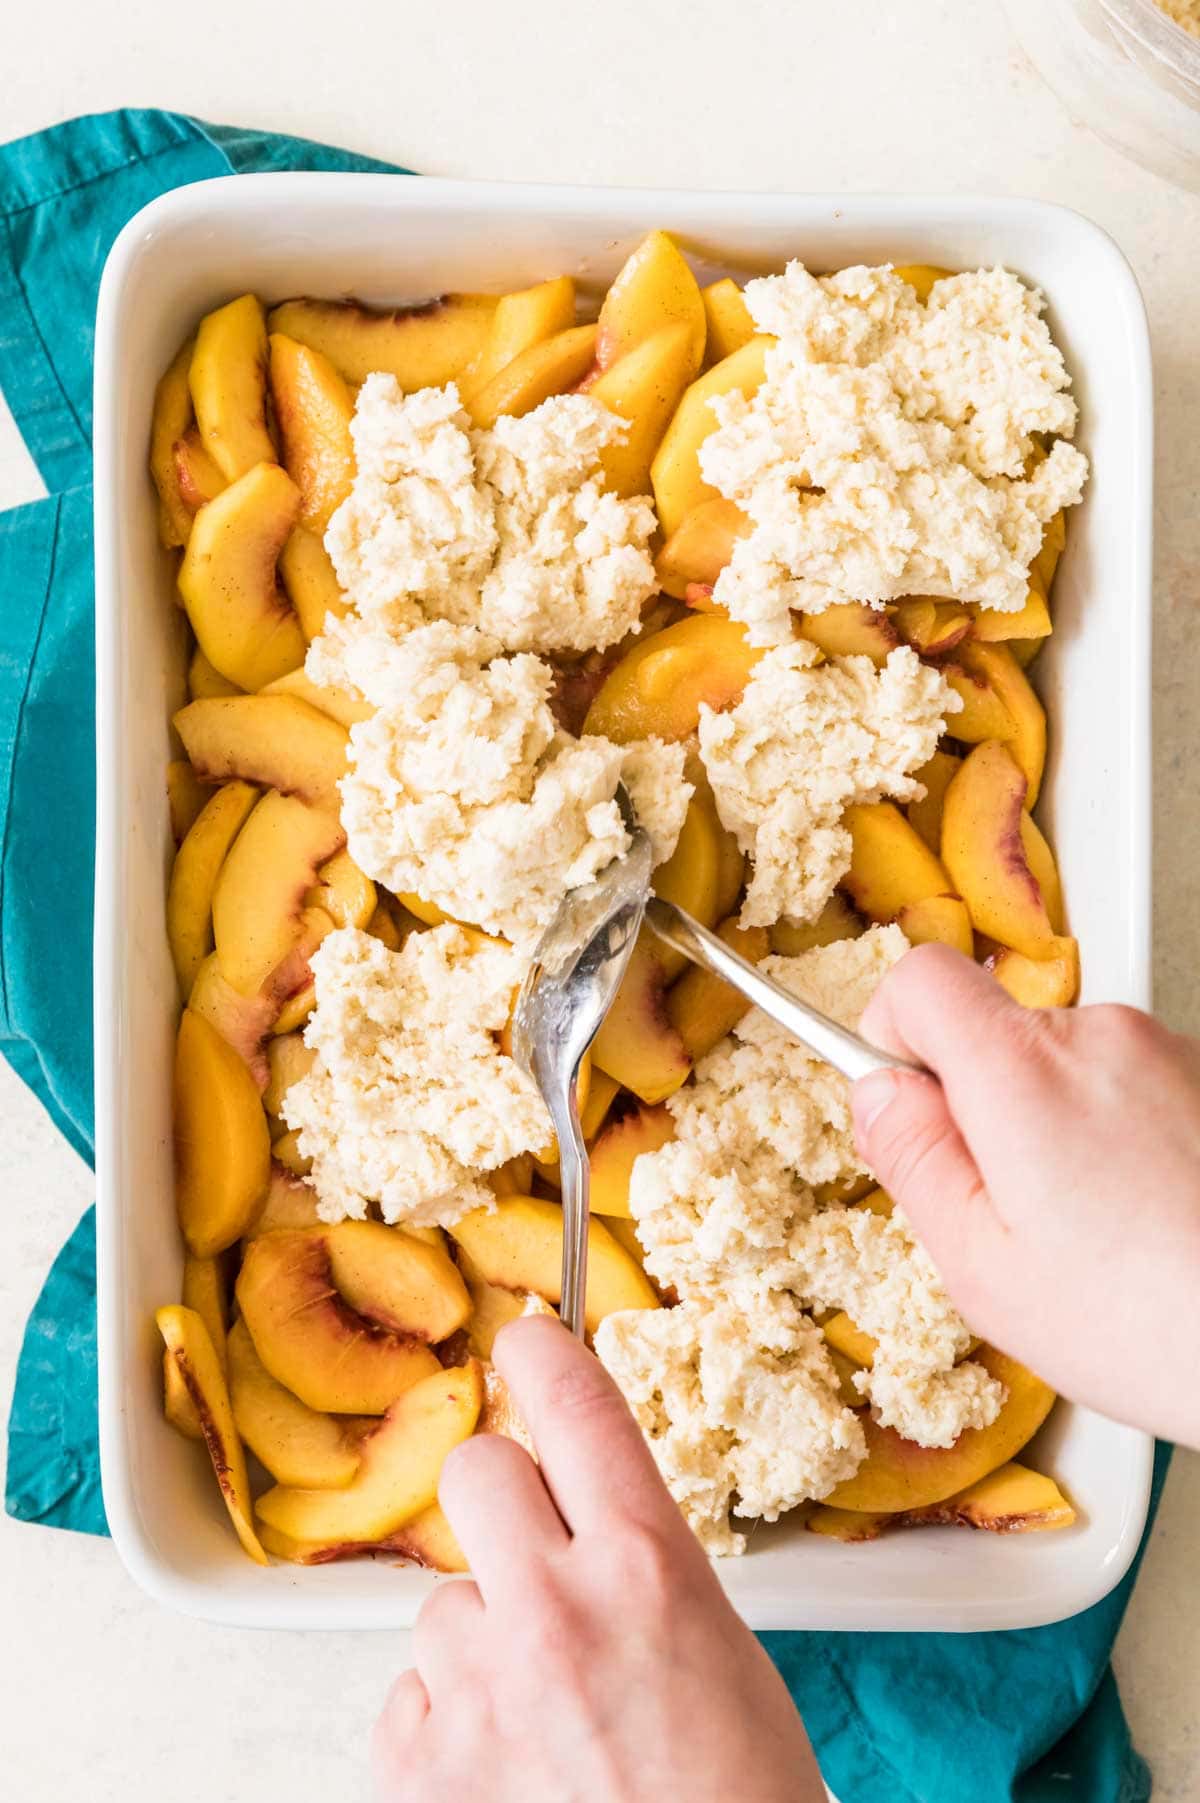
x=594, y=1658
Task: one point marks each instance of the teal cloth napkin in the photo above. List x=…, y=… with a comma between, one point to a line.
x=983, y=1718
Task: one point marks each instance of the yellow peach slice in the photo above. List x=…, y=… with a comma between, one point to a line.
x=845, y=1337
x=228, y=380
x=400, y=1280
x=520, y=320
x=728, y=319
x=286, y=1150
x=227, y=579
x=343, y=891
x=197, y=476
x=422, y=346
x=921, y=276
x=653, y=289
x=194, y=876
x=851, y=1526
x=926, y=814
x=243, y=1021
x=643, y=388
x=701, y=1006
x=554, y=366
x=995, y=668
x=890, y=864
x=1039, y=982
x=851, y=629
x=429, y=1540
x=898, y=1474
x=1044, y=565
x=1041, y=861
x=287, y=1205
x=204, y=1291
x=222, y=1147
x=517, y=1245
x=932, y=628
x=260, y=891
x=205, y=683
x=275, y=740
x=288, y=1059
x=340, y=704
x=837, y=920
x=675, y=473
x=984, y=852
x=189, y=1347
x=1029, y=622
x=382, y=926
x=938, y=920
x=699, y=548
x=983, y=715
x=310, y=582
x=308, y=1336
x=401, y=1463
x=660, y=685
x=186, y=796
x=1010, y=1500
x=616, y=1150
x=298, y=1445
x=178, y=1406
x=171, y=418
x=313, y=410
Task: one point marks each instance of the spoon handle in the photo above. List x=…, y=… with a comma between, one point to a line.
x=576, y=1201
x=845, y=1051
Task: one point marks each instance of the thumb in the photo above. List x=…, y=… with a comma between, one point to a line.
x=908, y=1138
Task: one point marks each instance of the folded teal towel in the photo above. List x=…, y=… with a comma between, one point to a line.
x=906, y=1718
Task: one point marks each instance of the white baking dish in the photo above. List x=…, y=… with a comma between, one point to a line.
x=389, y=239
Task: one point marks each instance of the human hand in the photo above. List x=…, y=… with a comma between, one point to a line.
x=594, y=1658
x=1054, y=1176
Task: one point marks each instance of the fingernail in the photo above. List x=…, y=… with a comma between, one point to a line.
x=872, y=1095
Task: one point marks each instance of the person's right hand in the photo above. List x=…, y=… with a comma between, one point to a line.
x=1053, y=1175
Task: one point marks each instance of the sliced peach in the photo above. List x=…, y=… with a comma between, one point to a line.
x=983, y=715
x=1039, y=982
x=996, y=668
x=616, y=1150
x=932, y=628
x=699, y=548
x=984, y=852
x=422, y=346
x=653, y=289
x=343, y=891
x=194, y=876
x=938, y=920
x=222, y=1147
x=926, y=814
x=1010, y=1500
x=728, y=318
x=428, y=913
x=310, y=1339
x=310, y=582
x=845, y=1337
x=401, y=1463
x=898, y=1474
x=205, y=683
x=921, y=276
x=286, y=1151
x=191, y=1350
x=514, y=1177
x=517, y=1245
x=313, y=410
x=890, y=864
x=660, y=686
x=238, y=612
x=260, y=891
x=429, y=1540
x=851, y=1526
x=287, y=1205
x=228, y=380
x=196, y=474
x=275, y=740
x=399, y=1280
x=837, y=920
x=382, y=926
x=288, y=1060
x=186, y=796
x=178, y=1406
x=491, y=1306
x=519, y=321
x=1044, y=565
x=675, y=473
x=339, y=704
x=1041, y=861
x=701, y=1006
x=1029, y=622
x=643, y=388
x=243, y=1021
x=851, y=629
x=170, y=420
x=704, y=873
x=298, y=1445
x=555, y=366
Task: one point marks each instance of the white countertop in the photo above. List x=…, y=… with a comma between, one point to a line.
x=103, y=1696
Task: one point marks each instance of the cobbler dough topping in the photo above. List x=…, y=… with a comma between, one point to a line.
x=886, y=452
x=739, y=1412
x=807, y=738
x=410, y=1099
x=462, y=789
x=727, y=1214
x=508, y=529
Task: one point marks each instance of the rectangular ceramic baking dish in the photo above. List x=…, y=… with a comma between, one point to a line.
x=390, y=239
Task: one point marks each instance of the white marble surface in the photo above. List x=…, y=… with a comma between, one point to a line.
x=102, y=1695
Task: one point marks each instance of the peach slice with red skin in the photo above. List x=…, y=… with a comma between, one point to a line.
x=660, y=685
x=339, y=704
x=259, y=896
x=643, y=388
x=984, y=851
x=617, y=1149
x=1010, y=1500
x=310, y=583
x=1038, y=982
x=288, y=1205
x=422, y=346
x=517, y=1245
x=999, y=704
x=171, y=418
x=932, y=628
x=851, y=629
x=938, y=920
x=228, y=380
x=555, y=366
x=197, y=477
x=699, y=548
x=401, y=1463
x=222, y=1147
x=336, y=1359
x=227, y=579
x=277, y=741
x=298, y=1445
x=191, y=1351
x=653, y=290
x=675, y=472
x=898, y=1474
x=313, y=410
